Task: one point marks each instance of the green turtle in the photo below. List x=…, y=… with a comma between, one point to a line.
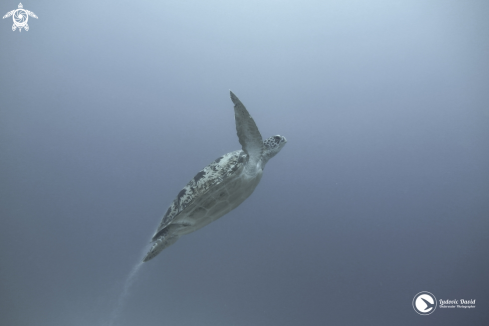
x=221, y=186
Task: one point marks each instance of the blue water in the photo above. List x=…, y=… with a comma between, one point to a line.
x=107, y=109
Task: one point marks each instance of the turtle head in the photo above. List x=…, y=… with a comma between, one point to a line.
x=271, y=146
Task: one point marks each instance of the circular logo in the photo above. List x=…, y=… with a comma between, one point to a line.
x=424, y=303
x=20, y=17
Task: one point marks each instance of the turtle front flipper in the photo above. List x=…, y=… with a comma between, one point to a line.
x=10, y=13
x=30, y=13
x=248, y=134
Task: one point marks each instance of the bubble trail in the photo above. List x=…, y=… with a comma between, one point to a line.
x=125, y=293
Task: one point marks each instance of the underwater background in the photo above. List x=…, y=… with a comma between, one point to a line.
x=108, y=108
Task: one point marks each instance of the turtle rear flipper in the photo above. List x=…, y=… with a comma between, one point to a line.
x=162, y=242
x=26, y=27
x=14, y=28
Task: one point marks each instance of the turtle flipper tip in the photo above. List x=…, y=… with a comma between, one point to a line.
x=234, y=98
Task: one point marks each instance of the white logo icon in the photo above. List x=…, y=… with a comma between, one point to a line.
x=20, y=17
x=424, y=303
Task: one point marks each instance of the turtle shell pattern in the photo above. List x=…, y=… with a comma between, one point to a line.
x=203, y=182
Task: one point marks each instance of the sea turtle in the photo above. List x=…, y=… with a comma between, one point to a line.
x=221, y=186
x=20, y=17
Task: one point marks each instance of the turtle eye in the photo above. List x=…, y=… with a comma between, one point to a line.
x=277, y=138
